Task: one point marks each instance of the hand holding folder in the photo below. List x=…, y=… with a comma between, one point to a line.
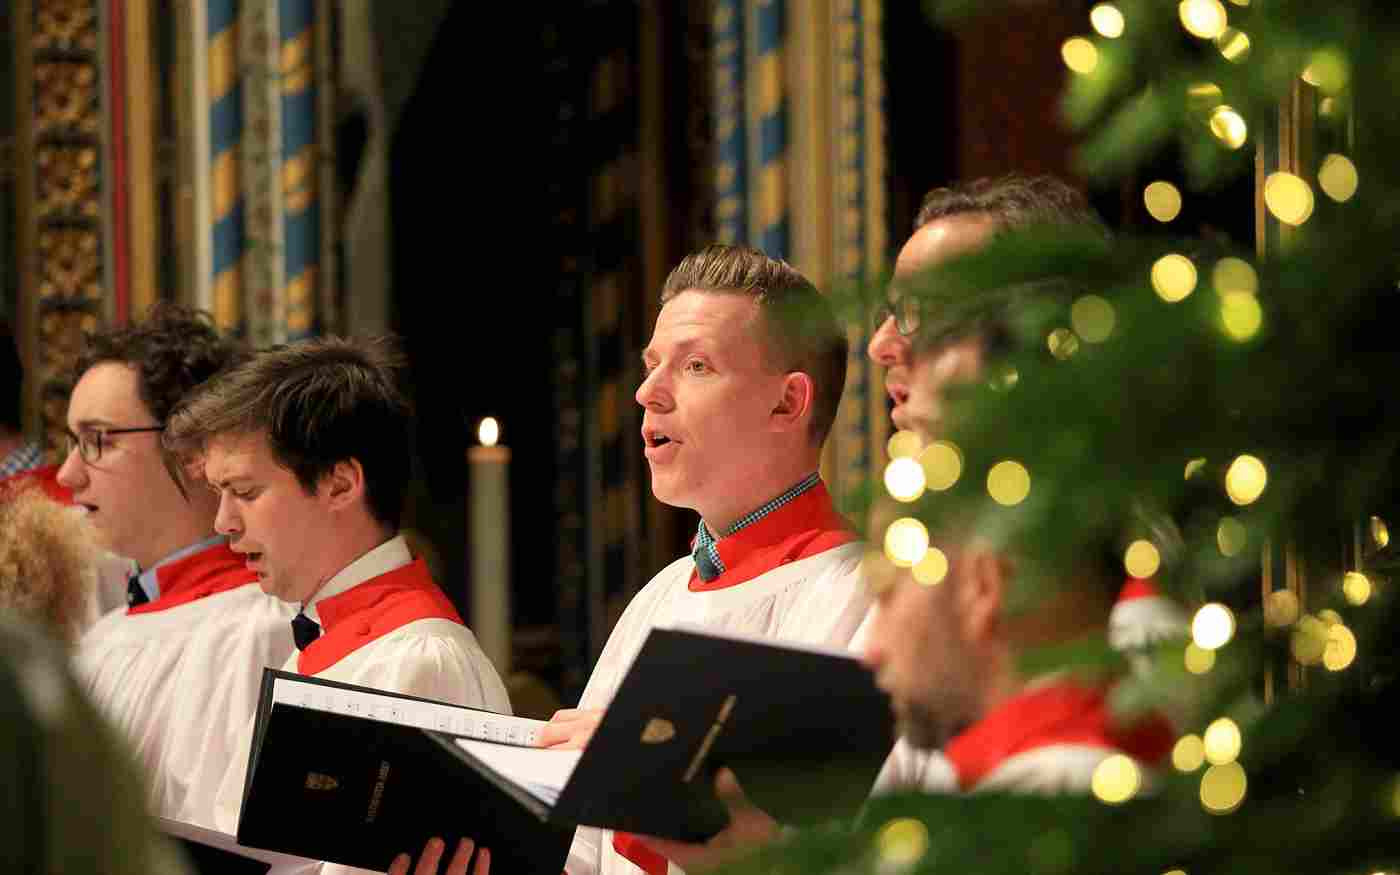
x=805, y=728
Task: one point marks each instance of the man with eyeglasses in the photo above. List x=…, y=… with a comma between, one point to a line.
x=178, y=668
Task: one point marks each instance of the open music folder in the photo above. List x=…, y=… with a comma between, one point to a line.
x=356, y=776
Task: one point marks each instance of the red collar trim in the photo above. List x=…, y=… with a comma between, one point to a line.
x=45, y=477
x=371, y=610
x=803, y=527
x=1059, y=713
x=211, y=571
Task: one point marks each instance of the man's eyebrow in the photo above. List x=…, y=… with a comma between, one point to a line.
x=92, y=424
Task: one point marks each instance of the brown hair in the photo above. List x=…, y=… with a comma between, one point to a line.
x=173, y=349
x=48, y=561
x=803, y=332
x=1012, y=201
x=319, y=402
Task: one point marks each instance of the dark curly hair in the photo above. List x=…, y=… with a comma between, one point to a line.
x=173, y=349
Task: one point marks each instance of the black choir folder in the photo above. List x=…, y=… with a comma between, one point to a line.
x=356, y=776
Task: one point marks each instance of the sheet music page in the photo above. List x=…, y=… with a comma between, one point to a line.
x=502, y=729
x=541, y=771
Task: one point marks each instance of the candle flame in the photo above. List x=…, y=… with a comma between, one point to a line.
x=489, y=431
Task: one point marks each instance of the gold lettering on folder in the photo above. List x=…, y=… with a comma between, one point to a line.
x=710, y=737
x=318, y=781
x=658, y=730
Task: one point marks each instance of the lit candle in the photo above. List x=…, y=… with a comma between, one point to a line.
x=490, y=543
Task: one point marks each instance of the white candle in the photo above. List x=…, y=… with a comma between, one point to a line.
x=490, y=544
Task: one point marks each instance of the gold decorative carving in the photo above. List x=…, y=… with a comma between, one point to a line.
x=65, y=25
x=61, y=339
x=65, y=98
x=68, y=183
x=69, y=265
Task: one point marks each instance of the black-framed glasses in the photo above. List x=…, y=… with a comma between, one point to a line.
x=904, y=310
x=89, y=442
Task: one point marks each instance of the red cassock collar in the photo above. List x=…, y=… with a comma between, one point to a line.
x=1058, y=713
x=212, y=570
x=803, y=527
x=371, y=610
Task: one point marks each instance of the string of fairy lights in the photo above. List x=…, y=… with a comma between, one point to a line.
x=915, y=467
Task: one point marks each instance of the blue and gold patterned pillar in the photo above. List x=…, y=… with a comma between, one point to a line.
x=301, y=215
x=769, y=208
x=225, y=133
x=731, y=127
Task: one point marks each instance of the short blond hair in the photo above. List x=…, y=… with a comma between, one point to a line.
x=48, y=562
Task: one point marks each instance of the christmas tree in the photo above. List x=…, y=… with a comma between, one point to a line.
x=1222, y=416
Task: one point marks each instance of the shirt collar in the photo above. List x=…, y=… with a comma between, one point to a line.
x=710, y=544
x=150, y=581
x=388, y=556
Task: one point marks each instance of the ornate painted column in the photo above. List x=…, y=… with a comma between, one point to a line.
x=257, y=140
x=799, y=169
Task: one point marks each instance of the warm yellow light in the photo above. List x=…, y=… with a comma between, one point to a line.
x=906, y=542
x=904, y=443
x=1213, y=626
x=1202, y=97
x=1005, y=378
x=1222, y=741
x=1240, y=2
x=1062, y=343
x=1309, y=640
x=1337, y=177
x=1232, y=274
x=1327, y=107
x=1233, y=44
x=1198, y=660
x=1327, y=70
x=1340, y=650
x=1206, y=19
x=1288, y=197
x=1246, y=480
x=1141, y=559
x=1223, y=788
x=1356, y=587
x=1173, y=277
x=1228, y=126
x=904, y=478
x=1231, y=536
x=1241, y=315
x=931, y=569
x=1116, y=779
x=902, y=843
x=1093, y=318
x=1107, y=20
x=1380, y=533
x=1281, y=608
x=488, y=432
x=1329, y=616
x=942, y=463
x=1080, y=55
x=1194, y=466
x=1189, y=754
x=1163, y=200
x=1008, y=483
